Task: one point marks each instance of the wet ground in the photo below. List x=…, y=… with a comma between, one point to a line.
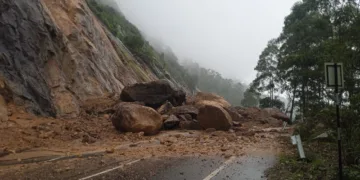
x=248, y=167
x=90, y=148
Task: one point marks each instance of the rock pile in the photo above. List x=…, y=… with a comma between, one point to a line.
x=150, y=107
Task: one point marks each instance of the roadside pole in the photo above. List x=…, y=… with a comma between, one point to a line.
x=334, y=76
x=338, y=118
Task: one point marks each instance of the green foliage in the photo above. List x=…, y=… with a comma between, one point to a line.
x=267, y=102
x=119, y=26
x=266, y=78
x=319, y=163
x=315, y=32
x=251, y=99
x=352, y=172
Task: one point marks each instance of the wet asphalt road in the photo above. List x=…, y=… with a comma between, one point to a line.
x=185, y=168
x=190, y=168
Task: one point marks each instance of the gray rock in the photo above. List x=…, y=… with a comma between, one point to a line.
x=172, y=122
x=153, y=94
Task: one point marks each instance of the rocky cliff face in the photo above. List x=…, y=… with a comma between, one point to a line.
x=57, y=59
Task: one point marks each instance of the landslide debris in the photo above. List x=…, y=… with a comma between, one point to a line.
x=204, y=111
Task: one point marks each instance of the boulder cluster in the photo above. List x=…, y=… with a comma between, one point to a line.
x=151, y=107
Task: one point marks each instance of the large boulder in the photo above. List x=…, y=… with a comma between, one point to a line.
x=201, y=97
x=187, y=109
x=153, y=94
x=213, y=115
x=130, y=117
x=3, y=109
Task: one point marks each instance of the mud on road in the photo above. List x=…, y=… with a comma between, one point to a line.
x=37, y=147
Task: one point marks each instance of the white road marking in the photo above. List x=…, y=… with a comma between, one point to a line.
x=112, y=169
x=214, y=173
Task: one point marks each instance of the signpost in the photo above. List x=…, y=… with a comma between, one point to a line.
x=334, y=76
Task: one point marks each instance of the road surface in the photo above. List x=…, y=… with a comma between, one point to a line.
x=247, y=167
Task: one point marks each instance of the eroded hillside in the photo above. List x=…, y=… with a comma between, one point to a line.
x=58, y=59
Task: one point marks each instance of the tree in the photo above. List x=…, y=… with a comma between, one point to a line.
x=251, y=99
x=267, y=69
x=315, y=32
x=267, y=102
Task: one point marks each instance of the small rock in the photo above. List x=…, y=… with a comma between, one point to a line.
x=133, y=145
x=231, y=138
x=177, y=135
x=140, y=134
x=112, y=150
x=172, y=122
x=88, y=139
x=165, y=108
x=162, y=142
x=224, y=149
x=246, y=133
x=264, y=121
x=9, y=113
x=209, y=130
x=236, y=124
x=28, y=118
x=217, y=133
x=47, y=135
x=106, y=116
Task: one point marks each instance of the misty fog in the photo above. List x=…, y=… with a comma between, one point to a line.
x=227, y=36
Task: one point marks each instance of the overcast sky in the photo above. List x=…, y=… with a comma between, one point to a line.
x=224, y=35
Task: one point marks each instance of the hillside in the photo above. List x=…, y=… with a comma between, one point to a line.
x=157, y=54
x=74, y=61
x=82, y=90
x=69, y=62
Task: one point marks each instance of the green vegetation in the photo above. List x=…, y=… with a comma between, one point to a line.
x=251, y=99
x=315, y=32
x=267, y=102
x=120, y=27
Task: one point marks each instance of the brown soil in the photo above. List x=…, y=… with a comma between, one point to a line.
x=25, y=136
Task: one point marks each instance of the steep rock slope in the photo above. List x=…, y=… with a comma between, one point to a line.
x=57, y=59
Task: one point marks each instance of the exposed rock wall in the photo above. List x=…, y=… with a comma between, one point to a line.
x=57, y=58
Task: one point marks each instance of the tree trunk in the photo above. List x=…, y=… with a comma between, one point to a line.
x=303, y=99
x=292, y=105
